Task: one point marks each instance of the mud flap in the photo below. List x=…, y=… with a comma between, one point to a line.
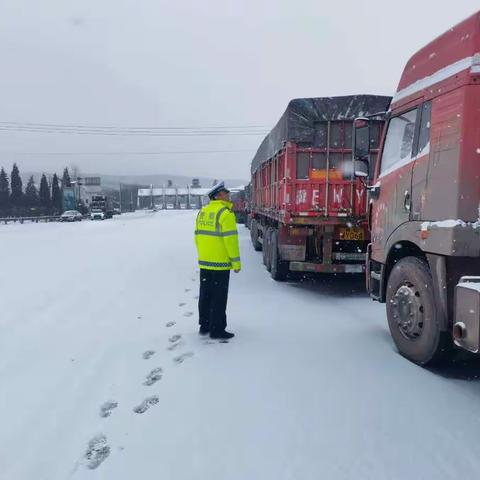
x=292, y=247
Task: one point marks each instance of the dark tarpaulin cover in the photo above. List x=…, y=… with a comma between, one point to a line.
x=297, y=124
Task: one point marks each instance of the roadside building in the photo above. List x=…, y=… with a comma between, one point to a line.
x=169, y=198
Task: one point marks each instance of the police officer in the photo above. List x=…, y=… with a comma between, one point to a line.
x=216, y=238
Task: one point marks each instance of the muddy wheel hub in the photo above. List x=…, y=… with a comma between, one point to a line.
x=408, y=311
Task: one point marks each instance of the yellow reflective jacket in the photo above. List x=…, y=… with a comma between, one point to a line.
x=216, y=237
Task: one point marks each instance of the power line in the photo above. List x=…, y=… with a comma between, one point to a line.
x=64, y=125
x=162, y=152
x=133, y=131
x=132, y=134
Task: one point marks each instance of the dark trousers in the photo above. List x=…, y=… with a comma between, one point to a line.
x=212, y=302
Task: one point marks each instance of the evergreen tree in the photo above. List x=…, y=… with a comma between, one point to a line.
x=66, y=181
x=57, y=202
x=4, y=189
x=16, y=195
x=44, y=195
x=31, y=194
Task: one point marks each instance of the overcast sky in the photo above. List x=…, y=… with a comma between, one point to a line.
x=156, y=63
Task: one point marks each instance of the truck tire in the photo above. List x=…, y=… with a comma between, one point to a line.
x=267, y=259
x=254, y=236
x=269, y=254
x=278, y=268
x=265, y=246
x=413, y=319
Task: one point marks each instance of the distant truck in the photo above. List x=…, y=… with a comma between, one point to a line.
x=238, y=199
x=182, y=202
x=101, y=207
x=424, y=256
x=307, y=209
x=248, y=201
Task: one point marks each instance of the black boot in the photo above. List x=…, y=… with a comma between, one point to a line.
x=221, y=335
x=203, y=330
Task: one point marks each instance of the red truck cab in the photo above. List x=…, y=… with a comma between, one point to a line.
x=424, y=256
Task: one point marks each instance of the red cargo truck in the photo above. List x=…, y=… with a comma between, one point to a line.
x=424, y=257
x=237, y=196
x=308, y=210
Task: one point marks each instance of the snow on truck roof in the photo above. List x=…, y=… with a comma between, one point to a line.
x=453, y=52
x=297, y=124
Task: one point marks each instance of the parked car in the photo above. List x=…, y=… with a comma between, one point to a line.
x=97, y=214
x=71, y=216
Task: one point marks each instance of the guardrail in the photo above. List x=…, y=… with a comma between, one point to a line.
x=46, y=218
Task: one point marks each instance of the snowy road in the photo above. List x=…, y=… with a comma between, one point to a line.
x=99, y=352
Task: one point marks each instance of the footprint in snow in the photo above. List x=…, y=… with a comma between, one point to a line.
x=146, y=355
x=213, y=342
x=187, y=290
x=188, y=314
x=146, y=404
x=174, y=346
x=181, y=358
x=182, y=304
x=170, y=324
x=97, y=451
x=106, y=409
x=153, y=377
x=174, y=338
x=196, y=297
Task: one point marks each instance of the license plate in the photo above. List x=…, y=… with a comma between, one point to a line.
x=352, y=234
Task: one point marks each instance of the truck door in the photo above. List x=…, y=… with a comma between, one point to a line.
x=392, y=206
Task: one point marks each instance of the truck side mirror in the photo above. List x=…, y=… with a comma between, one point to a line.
x=361, y=169
x=361, y=139
x=361, y=148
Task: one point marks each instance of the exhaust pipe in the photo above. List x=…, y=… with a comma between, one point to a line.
x=459, y=331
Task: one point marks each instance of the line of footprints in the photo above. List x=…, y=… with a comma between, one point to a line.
x=98, y=449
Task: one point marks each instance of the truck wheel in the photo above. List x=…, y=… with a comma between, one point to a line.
x=412, y=315
x=265, y=246
x=267, y=256
x=254, y=236
x=270, y=233
x=278, y=267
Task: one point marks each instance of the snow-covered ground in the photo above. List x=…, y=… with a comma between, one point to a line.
x=310, y=388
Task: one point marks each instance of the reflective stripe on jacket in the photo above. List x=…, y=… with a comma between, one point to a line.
x=216, y=237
